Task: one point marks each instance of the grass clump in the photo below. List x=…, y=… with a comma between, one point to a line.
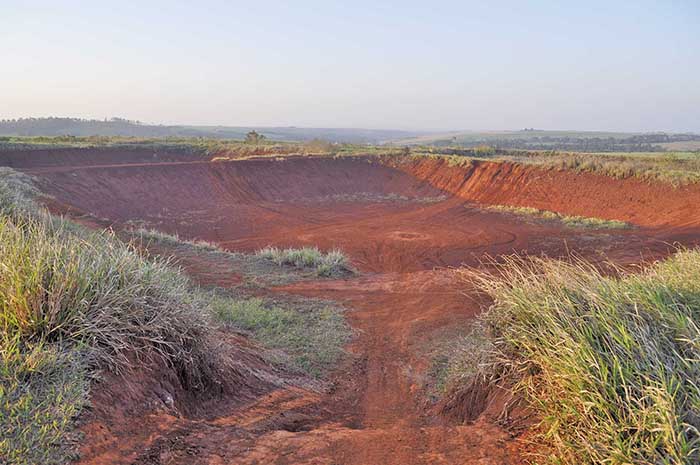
x=57, y=286
x=310, y=332
x=611, y=364
x=333, y=263
x=455, y=359
x=567, y=220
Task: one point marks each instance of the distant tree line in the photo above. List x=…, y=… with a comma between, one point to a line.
x=634, y=143
x=54, y=126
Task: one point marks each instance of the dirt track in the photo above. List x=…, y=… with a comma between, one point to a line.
x=421, y=218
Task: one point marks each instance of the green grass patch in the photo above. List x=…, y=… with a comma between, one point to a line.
x=58, y=286
x=610, y=363
x=43, y=388
x=567, y=220
x=71, y=302
x=310, y=333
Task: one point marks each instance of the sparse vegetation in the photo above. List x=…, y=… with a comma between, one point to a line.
x=174, y=239
x=610, y=363
x=320, y=146
x=371, y=197
x=454, y=359
x=17, y=193
x=538, y=139
x=675, y=168
x=333, y=263
x=310, y=333
x=567, y=220
x=270, y=265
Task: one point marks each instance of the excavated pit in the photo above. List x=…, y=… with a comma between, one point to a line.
x=403, y=224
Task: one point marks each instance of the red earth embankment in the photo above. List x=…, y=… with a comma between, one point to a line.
x=57, y=157
x=141, y=188
x=633, y=200
x=122, y=174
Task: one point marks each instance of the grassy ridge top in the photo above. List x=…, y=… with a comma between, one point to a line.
x=675, y=168
x=587, y=141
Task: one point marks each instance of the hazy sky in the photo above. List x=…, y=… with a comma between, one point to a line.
x=616, y=65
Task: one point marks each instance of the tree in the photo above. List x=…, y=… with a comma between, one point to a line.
x=253, y=137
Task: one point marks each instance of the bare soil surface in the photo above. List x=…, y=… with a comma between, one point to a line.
x=415, y=222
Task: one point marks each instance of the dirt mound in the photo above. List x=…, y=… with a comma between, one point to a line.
x=398, y=222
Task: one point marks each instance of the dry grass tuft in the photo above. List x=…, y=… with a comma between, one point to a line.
x=333, y=263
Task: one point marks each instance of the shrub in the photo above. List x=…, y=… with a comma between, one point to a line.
x=320, y=146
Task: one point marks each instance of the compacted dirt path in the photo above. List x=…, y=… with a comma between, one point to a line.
x=374, y=413
x=403, y=228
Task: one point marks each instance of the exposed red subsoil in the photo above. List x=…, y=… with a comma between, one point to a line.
x=634, y=200
x=373, y=410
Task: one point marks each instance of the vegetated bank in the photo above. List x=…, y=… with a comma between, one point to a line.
x=634, y=200
x=607, y=363
x=76, y=304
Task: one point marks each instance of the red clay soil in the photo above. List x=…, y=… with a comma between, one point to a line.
x=423, y=217
x=633, y=200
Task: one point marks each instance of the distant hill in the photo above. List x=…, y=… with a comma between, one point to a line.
x=128, y=128
x=535, y=139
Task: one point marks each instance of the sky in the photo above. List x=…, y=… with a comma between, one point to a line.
x=416, y=65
